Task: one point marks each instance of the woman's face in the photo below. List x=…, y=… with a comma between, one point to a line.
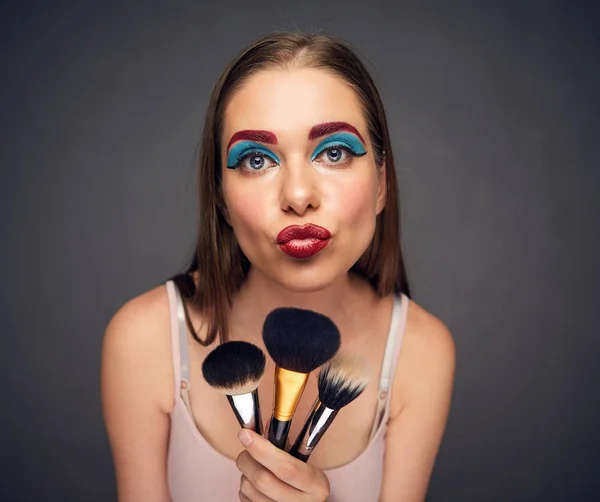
x=300, y=184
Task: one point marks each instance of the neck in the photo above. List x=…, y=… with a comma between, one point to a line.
x=260, y=294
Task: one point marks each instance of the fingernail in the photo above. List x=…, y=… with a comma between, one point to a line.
x=245, y=437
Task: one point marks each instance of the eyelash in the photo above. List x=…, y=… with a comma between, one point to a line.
x=340, y=146
x=248, y=155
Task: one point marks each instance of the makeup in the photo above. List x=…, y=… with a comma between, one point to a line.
x=244, y=149
x=266, y=137
x=343, y=140
x=303, y=241
x=298, y=341
x=331, y=127
x=340, y=382
x=236, y=369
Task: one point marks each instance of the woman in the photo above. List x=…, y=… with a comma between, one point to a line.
x=295, y=136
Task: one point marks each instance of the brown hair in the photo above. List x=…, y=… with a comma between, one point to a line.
x=220, y=263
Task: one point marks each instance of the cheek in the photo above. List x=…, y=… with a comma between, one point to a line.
x=356, y=202
x=247, y=209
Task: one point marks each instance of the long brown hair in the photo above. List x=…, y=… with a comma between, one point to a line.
x=218, y=260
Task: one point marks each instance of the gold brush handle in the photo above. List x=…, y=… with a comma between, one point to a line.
x=289, y=386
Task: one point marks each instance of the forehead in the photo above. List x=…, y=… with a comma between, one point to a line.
x=292, y=101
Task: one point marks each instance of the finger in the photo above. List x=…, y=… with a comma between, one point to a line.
x=249, y=492
x=288, y=469
x=257, y=479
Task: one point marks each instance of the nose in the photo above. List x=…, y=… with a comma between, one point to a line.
x=299, y=192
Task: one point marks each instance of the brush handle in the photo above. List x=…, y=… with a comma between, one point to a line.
x=314, y=428
x=247, y=410
x=278, y=432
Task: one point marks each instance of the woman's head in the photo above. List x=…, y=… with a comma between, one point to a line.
x=295, y=151
x=295, y=134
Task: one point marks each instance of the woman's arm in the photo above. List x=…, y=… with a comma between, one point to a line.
x=137, y=390
x=420, y=404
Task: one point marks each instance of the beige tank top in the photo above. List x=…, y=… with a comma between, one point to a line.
x=198, y=472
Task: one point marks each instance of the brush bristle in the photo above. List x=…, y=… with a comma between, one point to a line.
x=234, y=368
x=300, y=340
x=341, y=381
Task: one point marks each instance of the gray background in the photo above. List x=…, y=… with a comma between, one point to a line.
x=493, y=108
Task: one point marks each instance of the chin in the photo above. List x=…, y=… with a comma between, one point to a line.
x=306, y=275
x=308, y=279
x=304, y=285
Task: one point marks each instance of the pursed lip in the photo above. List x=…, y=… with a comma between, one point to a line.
x=298, y=232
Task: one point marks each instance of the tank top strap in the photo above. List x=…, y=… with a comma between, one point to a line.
x=390, y=358
x=179, y=343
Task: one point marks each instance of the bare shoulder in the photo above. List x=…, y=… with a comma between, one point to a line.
x=137, y=388
x=137, y=345
x=141, y=316
x=427, y=357
x=427, y=334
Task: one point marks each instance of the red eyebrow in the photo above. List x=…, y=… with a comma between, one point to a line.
x=262, y=136
x=331, y=127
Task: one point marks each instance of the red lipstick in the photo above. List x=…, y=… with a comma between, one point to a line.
x=303, y=241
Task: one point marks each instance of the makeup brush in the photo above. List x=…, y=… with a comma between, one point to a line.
x=236, y=368
x=299, y=341
x=340, y=382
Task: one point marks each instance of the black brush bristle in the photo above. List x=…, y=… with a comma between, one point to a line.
x=300, y=340
x=341, y=381
x=234, y=367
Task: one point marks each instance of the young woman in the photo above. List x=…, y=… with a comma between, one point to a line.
x=295, y=137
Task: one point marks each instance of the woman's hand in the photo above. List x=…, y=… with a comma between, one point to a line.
x=272, y=475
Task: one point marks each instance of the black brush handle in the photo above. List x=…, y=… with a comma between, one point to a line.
x=278, y=432
x=300, y=456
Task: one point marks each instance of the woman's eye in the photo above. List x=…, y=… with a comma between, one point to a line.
x=335, y=155
x=256, y=162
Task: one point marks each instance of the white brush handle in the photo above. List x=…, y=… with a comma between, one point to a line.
x=247, y=410
x=315, y=426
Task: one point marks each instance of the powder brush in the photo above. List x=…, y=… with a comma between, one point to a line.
x=235, y=369
x=340, y=382
x=298, y=341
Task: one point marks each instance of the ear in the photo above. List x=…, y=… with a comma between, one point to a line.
x=381, y=188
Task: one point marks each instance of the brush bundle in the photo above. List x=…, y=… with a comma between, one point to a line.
x=299, y=341
x=236, y=370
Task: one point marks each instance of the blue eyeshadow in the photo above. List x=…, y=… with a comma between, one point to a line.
x=238, y=151
x=340, y=139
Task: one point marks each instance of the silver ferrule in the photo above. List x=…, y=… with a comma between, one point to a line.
x=315, y=426
x=247, y=410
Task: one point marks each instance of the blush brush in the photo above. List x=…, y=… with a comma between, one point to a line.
x=298, y=341
x=340, y=382
x=235, y=369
